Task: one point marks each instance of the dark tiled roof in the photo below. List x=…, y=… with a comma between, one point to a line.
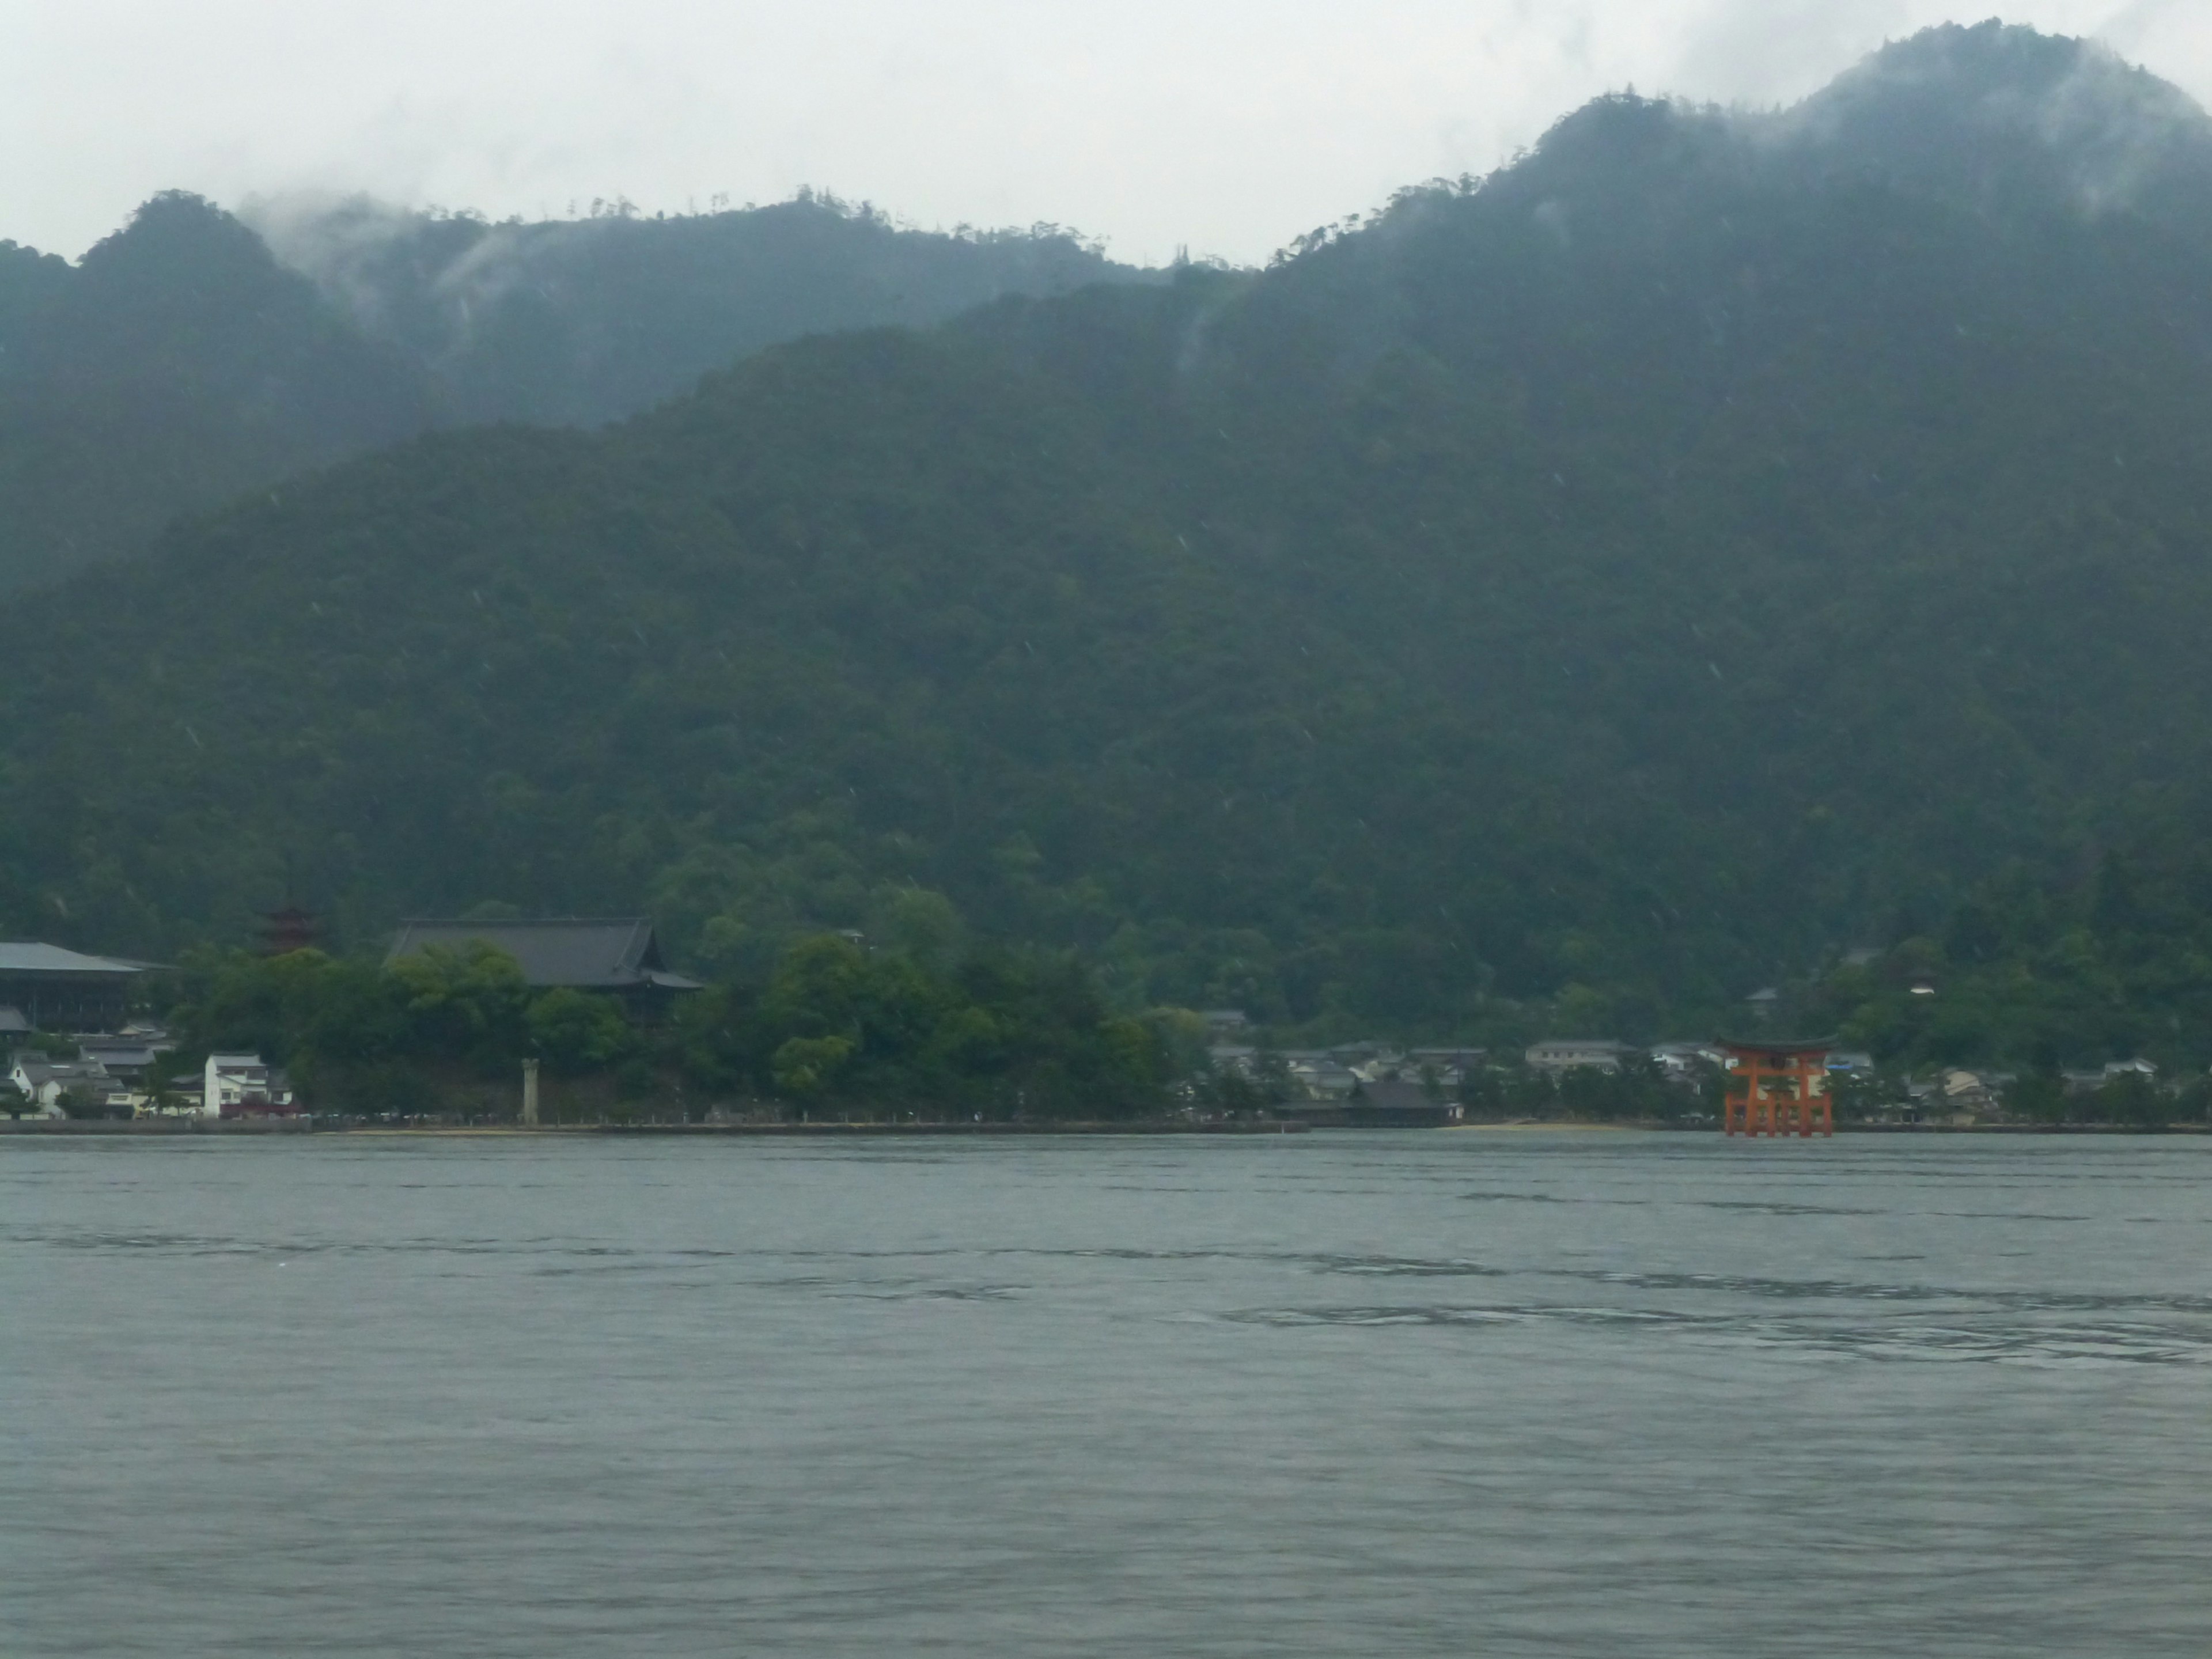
x=115, y=1051
x=1397, y=1096
x=25, y=957
x=37, y=1072
x=607, y=954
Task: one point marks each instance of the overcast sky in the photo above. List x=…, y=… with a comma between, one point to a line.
x=1229, y=125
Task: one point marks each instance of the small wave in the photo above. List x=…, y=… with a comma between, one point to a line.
x=1461, y=1315
x=2074, y=1345
x=1520, y=1198
x=937, y=1292
x=1399, y=1266
x=2015, y=1301
x=1951, y=1341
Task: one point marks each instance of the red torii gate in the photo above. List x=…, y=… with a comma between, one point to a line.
x=1772, y=1083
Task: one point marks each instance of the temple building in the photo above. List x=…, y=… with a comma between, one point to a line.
x=617, y=957
x=49, y=989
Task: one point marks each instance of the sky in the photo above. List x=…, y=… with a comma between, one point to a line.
x=1226, y=127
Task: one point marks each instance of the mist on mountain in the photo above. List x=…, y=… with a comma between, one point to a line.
x=1995, y=117
x=182, y=361
x=582, y=321
x=173, y=366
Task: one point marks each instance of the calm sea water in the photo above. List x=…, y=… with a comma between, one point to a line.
x=1446, y=1393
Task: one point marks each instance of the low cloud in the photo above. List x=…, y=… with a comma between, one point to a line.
x=1227, y=125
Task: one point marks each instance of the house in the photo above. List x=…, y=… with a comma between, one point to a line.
x=42, y=1082
x=1684, y=1063
x=617, y=956
x=244, y=1085
x=1967, y=1096
x=2095, y=1078
x=55, y=990
x=1376, y=1063
x=1391, y=1104
x=1567, y=1054
x=1396, y=1104
x=1362, y=1053
x=1369, y=1063
x=129, y=1055
x=1321, y=1077
x=1449, y=1063
x=1226, y=1023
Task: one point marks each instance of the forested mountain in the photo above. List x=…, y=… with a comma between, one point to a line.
x=175, y=366
x=1581, y=594
x=579, y=322
x=182, y=362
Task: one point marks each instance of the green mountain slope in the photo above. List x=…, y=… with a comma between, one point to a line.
x=181, y=362
x=175, y=366
x=1700, y=547
x=583, y=321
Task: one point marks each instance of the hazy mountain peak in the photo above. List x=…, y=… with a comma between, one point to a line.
x=1623, y=134
x=586, y=320
x=2003, y=115
x=186, y=288
x=2002, y=121
x=177, y=234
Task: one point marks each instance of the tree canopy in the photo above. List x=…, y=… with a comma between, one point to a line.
x=997, y=1034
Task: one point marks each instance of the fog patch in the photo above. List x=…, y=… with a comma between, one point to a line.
x=373, y=256
x=1986, y=101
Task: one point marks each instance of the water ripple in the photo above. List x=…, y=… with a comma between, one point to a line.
x=1993, y=1339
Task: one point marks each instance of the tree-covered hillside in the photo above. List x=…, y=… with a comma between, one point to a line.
x=581, y=321
x=1579, y=595
x=176, y=365
x=181, y=363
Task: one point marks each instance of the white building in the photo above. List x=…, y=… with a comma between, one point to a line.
x=240, y=1083
x=1560, y=1055
x=42, y=1083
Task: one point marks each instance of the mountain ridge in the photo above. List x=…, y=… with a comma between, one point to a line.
x=181, y=363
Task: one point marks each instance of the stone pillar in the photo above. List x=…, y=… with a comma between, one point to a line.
x=529, y=1094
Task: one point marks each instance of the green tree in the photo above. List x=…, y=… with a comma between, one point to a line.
x=577, y=1031
x=807, y=1068
x=2038, y=1097
x=2133, y=1100
x=80, y=1102
x=464, y=1001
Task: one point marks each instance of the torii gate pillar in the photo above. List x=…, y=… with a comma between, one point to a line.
x=1774, y=1086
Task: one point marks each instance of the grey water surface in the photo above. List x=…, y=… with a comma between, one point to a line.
x=1441, y=1392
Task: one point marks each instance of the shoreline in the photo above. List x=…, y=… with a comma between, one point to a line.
x=139, y=1128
